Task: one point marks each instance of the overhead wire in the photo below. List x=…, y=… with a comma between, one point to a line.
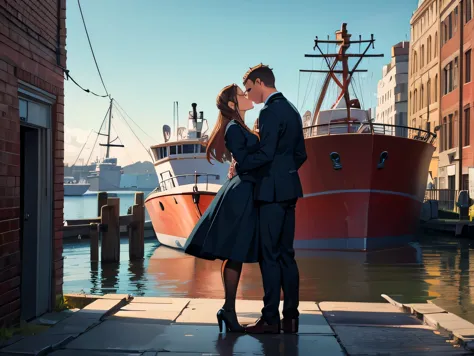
x=90, y=45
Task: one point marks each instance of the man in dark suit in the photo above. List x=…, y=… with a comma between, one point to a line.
x=281, y=153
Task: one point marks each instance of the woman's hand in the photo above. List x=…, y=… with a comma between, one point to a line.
x=232, y=171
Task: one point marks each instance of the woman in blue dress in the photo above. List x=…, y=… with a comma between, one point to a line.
x=228, y=230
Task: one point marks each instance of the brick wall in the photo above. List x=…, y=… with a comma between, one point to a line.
x=32, y=49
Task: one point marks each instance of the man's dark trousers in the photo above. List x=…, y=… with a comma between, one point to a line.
x=277, y=264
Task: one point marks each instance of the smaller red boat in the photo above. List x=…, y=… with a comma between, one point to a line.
x=188, y=182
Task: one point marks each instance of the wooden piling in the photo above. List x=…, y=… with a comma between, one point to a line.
x=110, y=215
x=137, y=229
x=101, y=201
x=94, y=241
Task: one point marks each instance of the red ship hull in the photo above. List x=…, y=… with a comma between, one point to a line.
x=361, y=207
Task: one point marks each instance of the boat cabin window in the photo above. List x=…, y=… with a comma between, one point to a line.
x=188, y=148
x=162, y=152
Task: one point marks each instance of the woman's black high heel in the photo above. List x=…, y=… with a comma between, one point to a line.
x=229, y=317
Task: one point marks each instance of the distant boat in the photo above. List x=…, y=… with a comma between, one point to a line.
x=74, y=188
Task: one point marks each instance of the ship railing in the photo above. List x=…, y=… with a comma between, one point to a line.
x=446, y=198
x=335, y=128
x=192, y=177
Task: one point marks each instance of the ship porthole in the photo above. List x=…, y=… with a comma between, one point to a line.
x=161, y=206
x=175, y=200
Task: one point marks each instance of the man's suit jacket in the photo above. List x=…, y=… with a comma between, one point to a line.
x=282, y=152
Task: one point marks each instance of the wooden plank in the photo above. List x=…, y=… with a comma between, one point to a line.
x=101, y=201
x=111, y=237
x=71, y=222
x=126, y=220
x=75, y=230
x=94, y=231
x=137, y=233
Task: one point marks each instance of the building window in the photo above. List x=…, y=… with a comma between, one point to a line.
x=467, y=127
x=450, y=26
x=468, y=66
x=455, y=19
x=422, y=61
x=443, y=136
x=436, y=89
x=422, y=96
x=436, y=45
x=450, y=132
x=465, y=182
x=449, y=77
x=428, y=50
x=454, y=74
x=428, y=92
x=468, y=10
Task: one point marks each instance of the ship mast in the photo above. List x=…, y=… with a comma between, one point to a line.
x=109, y=143
x=332, y=59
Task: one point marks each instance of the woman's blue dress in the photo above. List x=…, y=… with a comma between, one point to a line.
x=228, y=229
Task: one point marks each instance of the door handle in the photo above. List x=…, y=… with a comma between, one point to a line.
x=26, y=217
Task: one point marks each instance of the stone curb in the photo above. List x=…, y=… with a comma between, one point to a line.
x=461, y=331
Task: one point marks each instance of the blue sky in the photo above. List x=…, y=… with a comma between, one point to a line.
x=154, y=52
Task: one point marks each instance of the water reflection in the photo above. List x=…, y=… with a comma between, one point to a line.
x=436, y=268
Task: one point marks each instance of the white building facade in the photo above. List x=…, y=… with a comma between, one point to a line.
x=392, y=92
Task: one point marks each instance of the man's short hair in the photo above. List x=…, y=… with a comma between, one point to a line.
x=262, y=72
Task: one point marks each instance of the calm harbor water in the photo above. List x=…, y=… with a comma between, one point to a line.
x=435, y=267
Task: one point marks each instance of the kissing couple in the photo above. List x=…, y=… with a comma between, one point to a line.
x=252, y=217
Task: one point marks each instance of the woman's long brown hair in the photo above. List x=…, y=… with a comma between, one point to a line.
x=216, y=148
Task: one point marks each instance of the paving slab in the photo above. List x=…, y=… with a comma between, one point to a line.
x=95, y=353
x=160, y=300
x=73, y=327
x=101, y=307
x=340, y=313
x=207, y=339
x=175, y=305
x=204, y=312
x=424, y=308
x=116, y=296
x=451, y=323
x=121, y=336
x=36, y=344
x=54, y=317
x=363, y=340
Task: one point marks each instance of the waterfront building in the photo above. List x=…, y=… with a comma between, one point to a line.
x=424, y=76
x=32, y=59
x=392, y=91
x=457, y=94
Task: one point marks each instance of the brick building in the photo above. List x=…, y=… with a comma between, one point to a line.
x=423, y=73
x=456, y=66
x=32, y=55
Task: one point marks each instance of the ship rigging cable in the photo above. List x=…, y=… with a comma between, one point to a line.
x=98, y=134
x=123, y=110
x=133, y=132
x=90, y=45
x=84, y=145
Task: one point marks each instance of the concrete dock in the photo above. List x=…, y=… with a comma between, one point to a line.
x=121, y=325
